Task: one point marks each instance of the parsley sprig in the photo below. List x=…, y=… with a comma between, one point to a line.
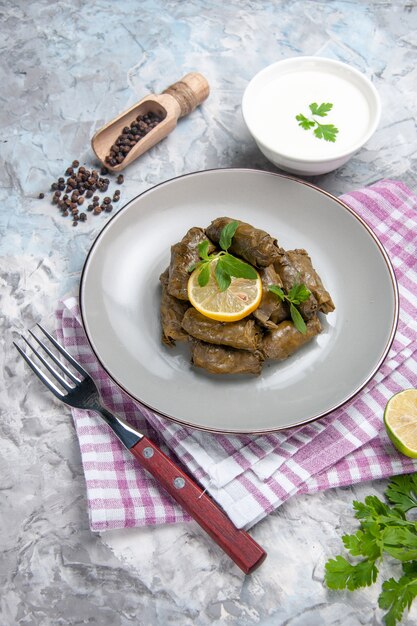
x=295, y=296
x=227, y=265
x=327, y=132
x=384, y=529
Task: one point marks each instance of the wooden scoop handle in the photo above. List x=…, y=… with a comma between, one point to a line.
x=189, y=92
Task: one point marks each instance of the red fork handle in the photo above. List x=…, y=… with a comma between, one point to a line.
x=240, y=546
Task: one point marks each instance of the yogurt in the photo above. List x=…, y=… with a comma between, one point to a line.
x=291, y=94
x=283, y=90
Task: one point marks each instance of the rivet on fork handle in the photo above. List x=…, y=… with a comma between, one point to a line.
x=238, y=544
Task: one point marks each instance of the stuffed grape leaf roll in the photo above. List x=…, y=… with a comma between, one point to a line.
x=300, y=259
x=291, y=276
x=271, y=309
x=283, y=341
x=244, y=334
x=171, y=312
x=250, y=243
x=183, y=255
x=224, y=360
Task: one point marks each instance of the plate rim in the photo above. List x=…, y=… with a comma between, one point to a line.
x=308, y=420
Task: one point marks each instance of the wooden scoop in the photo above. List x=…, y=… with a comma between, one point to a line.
x=174, y=102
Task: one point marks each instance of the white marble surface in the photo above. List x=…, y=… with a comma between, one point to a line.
x=67, y=67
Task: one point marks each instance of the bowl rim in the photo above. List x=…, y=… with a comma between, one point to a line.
x=296, y=60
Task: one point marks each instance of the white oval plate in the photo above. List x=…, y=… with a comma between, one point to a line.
x=120, y=296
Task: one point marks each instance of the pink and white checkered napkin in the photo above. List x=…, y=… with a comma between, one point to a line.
x=250, y=476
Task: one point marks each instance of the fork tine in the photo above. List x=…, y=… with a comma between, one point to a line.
x=66, y=354
x=56, y=360
x=48, y=366
x=57, y=392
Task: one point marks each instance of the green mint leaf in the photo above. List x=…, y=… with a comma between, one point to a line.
x=292, y=293
x=327, y=132
x=340, y=574
x=204, y=275
x=298, y=294
x=305, y=122
x=396, y=596
x=227, y=234
x=223, y=278
x=297, y=319
x=236, y=267
x=277, y=291
x=402, y=491
x=321, y=110
x=303, y=293
x=194, y=266
x=203, y=248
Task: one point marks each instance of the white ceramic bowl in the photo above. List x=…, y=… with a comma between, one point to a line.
x=286, y=89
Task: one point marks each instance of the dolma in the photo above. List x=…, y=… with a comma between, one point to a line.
x=244, y=334
x=271, y=310
x=291, y=276
x=250, y=243
x=300, y=259
x=171, y=313
x=282, y=342
x=183, y=255
x=224, y=360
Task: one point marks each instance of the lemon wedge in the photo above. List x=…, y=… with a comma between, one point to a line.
x=400, y=419
x=239, y=300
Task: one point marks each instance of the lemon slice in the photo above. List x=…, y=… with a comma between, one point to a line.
x=239, y=300
x=400, y=418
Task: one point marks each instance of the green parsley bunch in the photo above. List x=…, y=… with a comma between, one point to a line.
x=384, y=529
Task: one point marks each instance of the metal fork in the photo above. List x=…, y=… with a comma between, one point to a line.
x=81, y=393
